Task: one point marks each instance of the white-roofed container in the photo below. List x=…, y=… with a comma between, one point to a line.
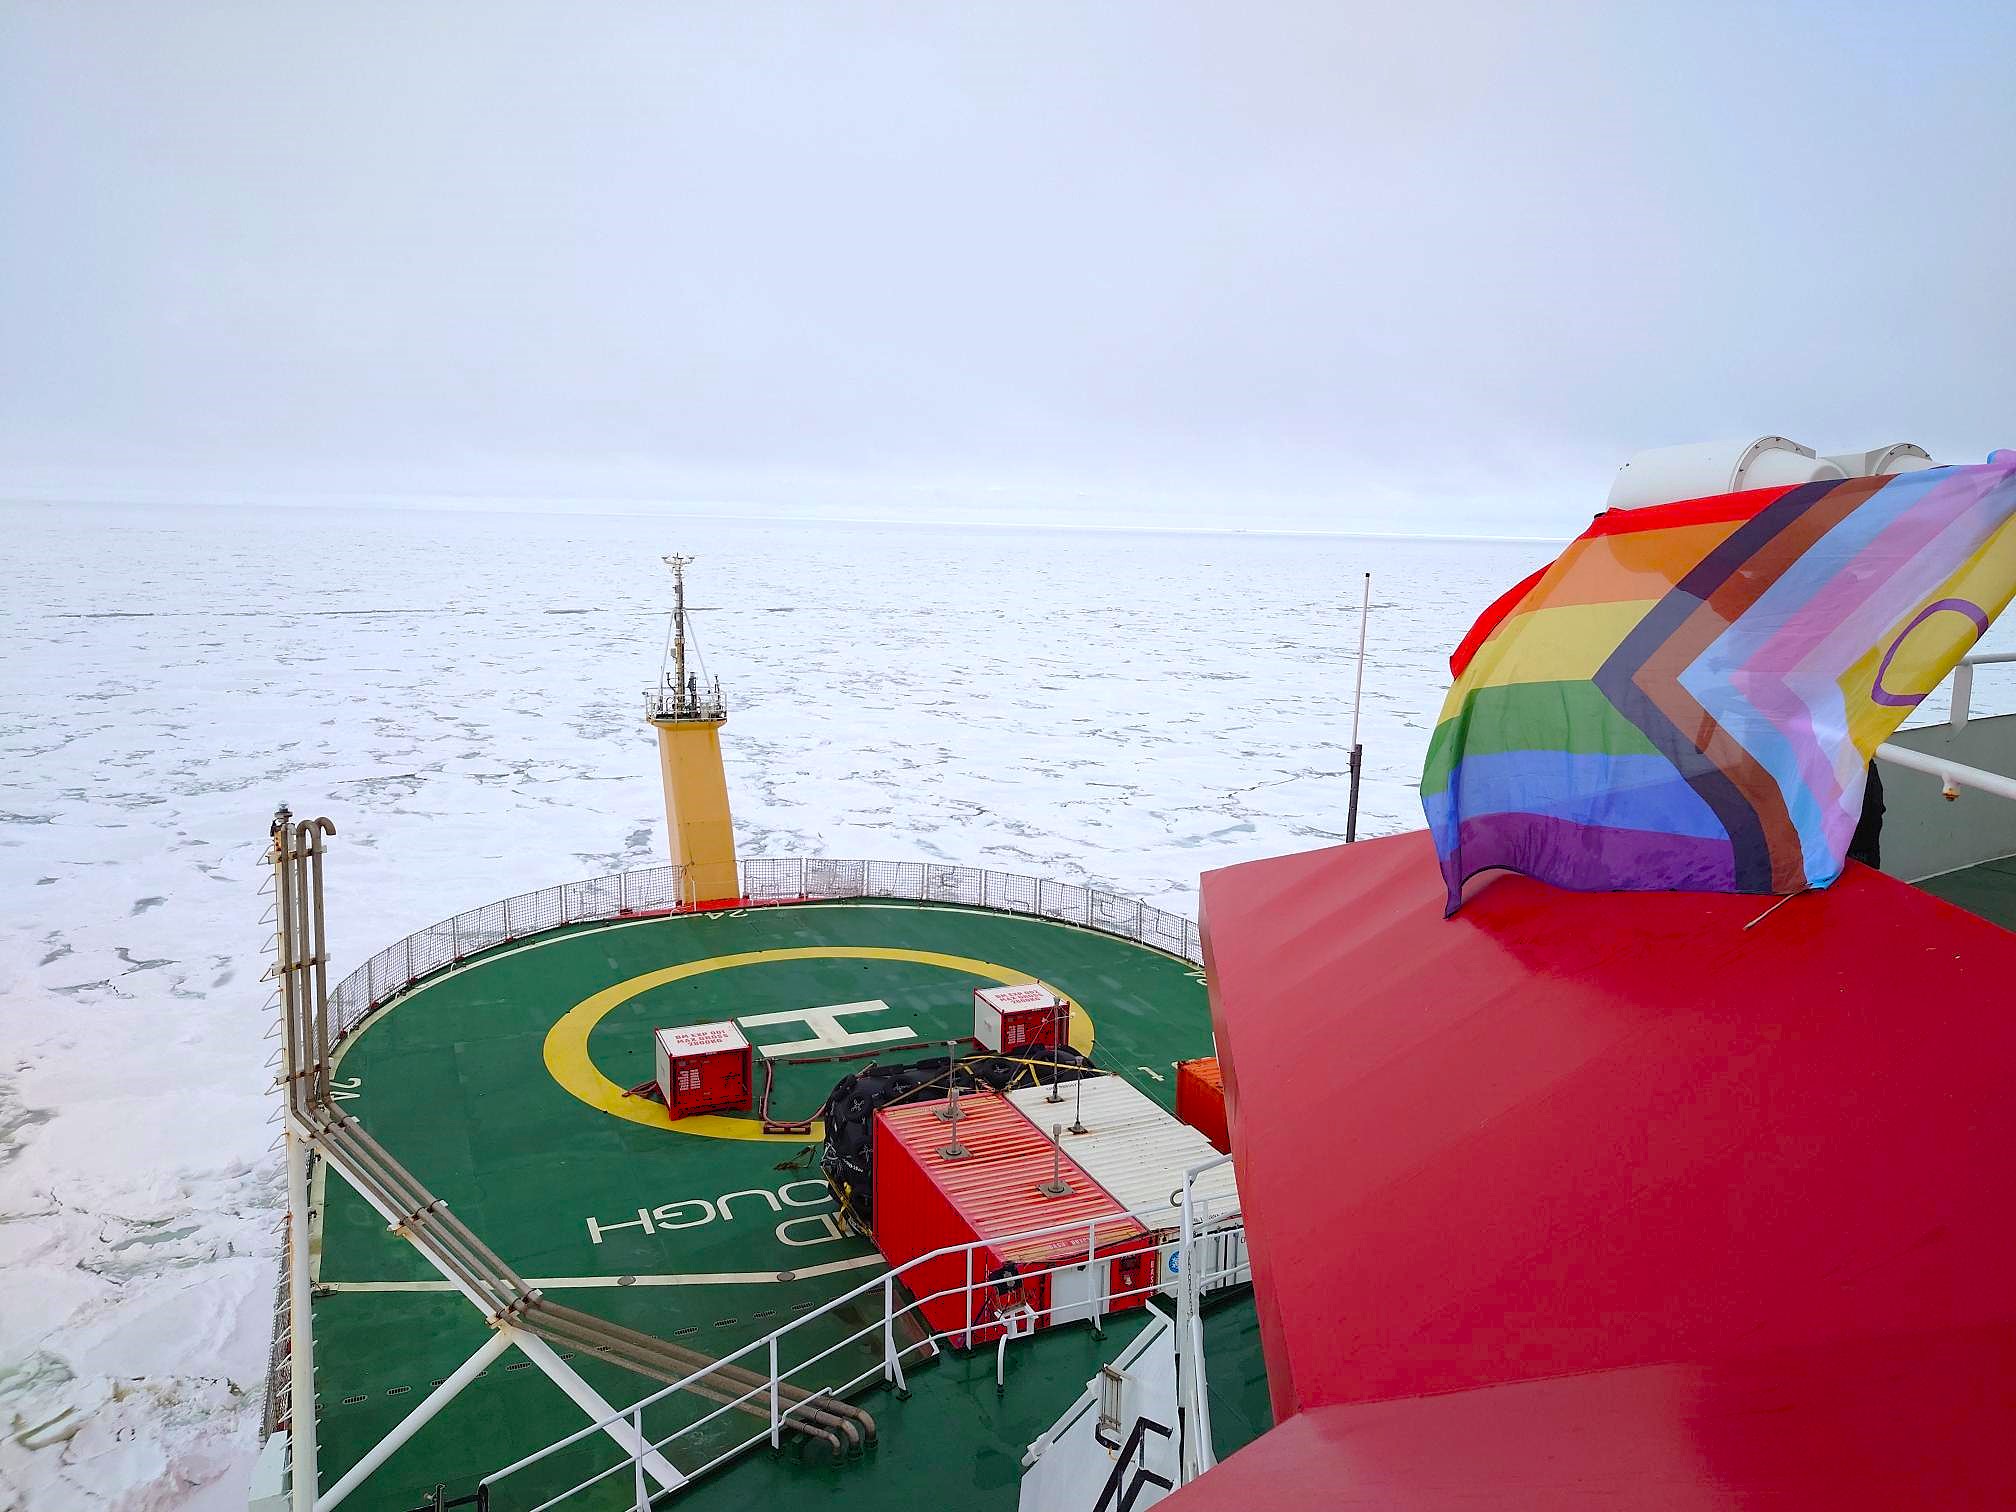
x=1018, y=1016
x=1138, y=1150
x=702, y=1068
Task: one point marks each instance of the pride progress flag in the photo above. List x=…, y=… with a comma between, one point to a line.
x=1690, y=695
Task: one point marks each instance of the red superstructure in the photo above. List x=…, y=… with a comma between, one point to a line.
x=1665, y=1200
x=925, y=1201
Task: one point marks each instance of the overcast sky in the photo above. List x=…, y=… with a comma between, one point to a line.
x=1396, y=266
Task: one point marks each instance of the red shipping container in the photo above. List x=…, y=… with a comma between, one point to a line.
x=1200, y=1100
x=924, y=1202
x=1012, y=1018
x=703, y=1068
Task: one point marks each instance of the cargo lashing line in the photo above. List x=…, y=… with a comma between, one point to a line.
x=772, y=1124
x=520, y=1313
x=650, y=1091
x=843, y=1159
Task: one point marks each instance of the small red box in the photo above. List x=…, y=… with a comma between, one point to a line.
x=1106, y=1260
x=703, y=1068
x=1012, y=1018
x=1200, y=1100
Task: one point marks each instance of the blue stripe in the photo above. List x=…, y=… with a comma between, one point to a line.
x=1620, y=792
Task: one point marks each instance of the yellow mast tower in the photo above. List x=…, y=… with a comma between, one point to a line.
x=688, y=715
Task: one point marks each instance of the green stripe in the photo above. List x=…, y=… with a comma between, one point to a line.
x=1571, y=716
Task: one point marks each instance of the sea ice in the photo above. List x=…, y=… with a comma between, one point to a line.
x=459, y=692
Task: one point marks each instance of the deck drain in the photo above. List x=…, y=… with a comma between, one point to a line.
x=766, y=1312
x=519, y=1365
x=626, y=1280
x=680, y=1333
x=397, y=1390
x=726, y=1322
x=787, y=1275
x=352, y=1401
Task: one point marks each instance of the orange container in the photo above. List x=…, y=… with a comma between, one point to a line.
x=1200, y=1100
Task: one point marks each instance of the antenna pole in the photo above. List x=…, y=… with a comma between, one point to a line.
x=678, y=566
x=1357, y=708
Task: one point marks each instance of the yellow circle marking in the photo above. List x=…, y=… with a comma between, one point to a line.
x=568, y=1060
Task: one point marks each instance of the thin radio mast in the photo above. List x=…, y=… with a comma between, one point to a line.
x=1357, y=708
x=678, y=565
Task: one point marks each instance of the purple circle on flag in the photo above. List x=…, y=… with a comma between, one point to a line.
x=1973, y=611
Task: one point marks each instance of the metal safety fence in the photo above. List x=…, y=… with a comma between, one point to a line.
x=890, y=1316
x=664, y=889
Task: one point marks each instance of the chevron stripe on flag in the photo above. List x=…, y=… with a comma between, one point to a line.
x=1690, y=695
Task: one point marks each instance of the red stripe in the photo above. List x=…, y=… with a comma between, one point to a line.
x=1729, y=506
x=1500, y=610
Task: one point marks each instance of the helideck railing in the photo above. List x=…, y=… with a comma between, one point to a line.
x=662, y=890
x=1210, y=1254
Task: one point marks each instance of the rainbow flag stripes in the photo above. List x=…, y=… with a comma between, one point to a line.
x=1689, y=696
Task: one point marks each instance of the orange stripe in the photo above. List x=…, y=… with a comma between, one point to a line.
x=1604, y=569
x=1625, y=554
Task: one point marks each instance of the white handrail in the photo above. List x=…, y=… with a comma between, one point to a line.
x=1952, y=775
x=1195, y=1454
x=930, y=1338
x=1962, y=701
x=661, y=890
x=890, y=1367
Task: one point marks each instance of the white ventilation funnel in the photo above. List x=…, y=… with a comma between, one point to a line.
x=1704, y=468
x=1884, y=461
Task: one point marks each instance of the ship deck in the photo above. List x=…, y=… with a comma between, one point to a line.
x=500, y=1084
x=1988, y=889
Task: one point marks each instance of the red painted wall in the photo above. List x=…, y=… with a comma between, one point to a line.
x=925, y=1202
x=1566, y=1133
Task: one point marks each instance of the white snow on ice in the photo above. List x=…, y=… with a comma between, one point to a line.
x=460, y=693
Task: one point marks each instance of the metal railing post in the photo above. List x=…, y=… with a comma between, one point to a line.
x=637, y=1461
x=1186, y=1315
x=1092, y=1274
x=1963, y=696
x=892, y=1362
x=301, y=1330
x=776, y=1423
x=969, y=1295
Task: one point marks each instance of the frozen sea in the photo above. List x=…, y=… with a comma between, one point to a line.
x=460, y=691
